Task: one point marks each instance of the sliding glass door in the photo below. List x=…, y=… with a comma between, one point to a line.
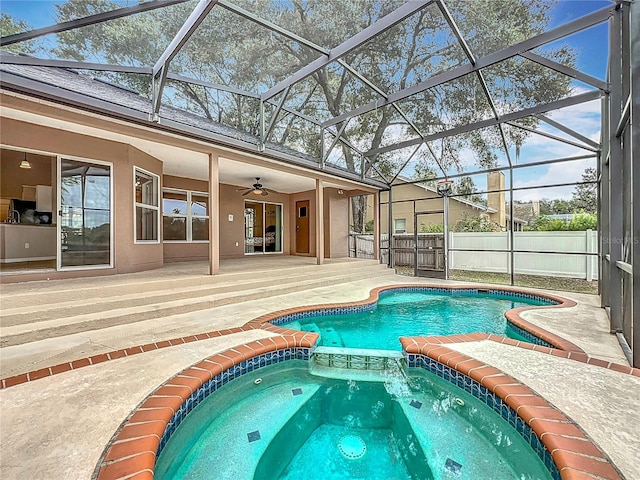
x=85, y=214
x=262, y=227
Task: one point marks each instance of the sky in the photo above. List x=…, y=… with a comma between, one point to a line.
x=591, y=46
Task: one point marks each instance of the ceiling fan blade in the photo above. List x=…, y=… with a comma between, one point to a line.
x=241, y=189
x=264, y=193
x=247, y=193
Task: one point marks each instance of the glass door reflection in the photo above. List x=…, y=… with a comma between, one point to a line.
x=262, y=227
x=85, y=214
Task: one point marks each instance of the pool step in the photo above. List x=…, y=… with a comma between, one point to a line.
x=356, y=364
x=30, y=323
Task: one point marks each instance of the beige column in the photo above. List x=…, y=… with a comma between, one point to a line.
x=214, y=215
x=376, y=225
x=319, y=221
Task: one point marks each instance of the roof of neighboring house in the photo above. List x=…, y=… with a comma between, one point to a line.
x=429, y=188
x=567, y=217
x=475, y=205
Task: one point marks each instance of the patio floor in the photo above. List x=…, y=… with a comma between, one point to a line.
x=57, y=427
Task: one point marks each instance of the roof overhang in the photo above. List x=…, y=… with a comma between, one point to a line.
x=36, y=102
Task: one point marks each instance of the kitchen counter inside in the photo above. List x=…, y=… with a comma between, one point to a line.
x=21, y=242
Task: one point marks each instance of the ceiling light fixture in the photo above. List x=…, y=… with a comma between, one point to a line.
x=25, y=163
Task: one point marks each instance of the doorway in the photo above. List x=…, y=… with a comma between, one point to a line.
x=262, y=227
x=302, y=226
x=85, y=226
x=429, y=245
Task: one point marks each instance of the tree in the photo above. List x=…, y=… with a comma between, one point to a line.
x=229, y=50
x=579, y=221
x=467, y=187
x=475, y=223
x=585, y=195
x=9, y=26
x=556, y=207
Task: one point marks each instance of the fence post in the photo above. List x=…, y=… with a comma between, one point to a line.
x=589, y=244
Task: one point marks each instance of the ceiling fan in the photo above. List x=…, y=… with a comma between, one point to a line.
x=256, y=189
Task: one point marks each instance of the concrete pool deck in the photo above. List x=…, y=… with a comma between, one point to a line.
x=57, y=427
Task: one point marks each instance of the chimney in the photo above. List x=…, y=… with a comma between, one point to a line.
x=536, y=207
x=496, y=200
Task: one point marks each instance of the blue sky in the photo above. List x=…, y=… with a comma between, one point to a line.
x=591, y=46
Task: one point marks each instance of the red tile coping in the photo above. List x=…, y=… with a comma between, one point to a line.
x=563, y=347
x=574, y=453
x=131, y=453
x=512, y=315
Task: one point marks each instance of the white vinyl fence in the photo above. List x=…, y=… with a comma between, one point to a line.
x=557, y=254
x=568, y=259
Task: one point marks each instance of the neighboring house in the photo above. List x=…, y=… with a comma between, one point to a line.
x=417, y=198
x=108, y=191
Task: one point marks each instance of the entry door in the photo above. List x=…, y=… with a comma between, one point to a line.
x=302, y=226
x=429, y=244
x=84, y=223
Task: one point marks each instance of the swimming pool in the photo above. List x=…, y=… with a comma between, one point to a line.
x=281, y=422
x=415, y=312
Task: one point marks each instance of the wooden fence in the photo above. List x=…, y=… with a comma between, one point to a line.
x=555, y=254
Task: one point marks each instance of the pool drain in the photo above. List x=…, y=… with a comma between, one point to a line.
x=352, y=447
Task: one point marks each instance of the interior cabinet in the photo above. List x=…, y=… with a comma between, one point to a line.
x=44, y=198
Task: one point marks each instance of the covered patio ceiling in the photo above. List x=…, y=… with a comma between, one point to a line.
x=380, y=91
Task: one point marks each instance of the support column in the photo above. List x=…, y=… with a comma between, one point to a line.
x=616, y=180
x=214, y=215
x=319, y=221
x=632, y=156
x=376, y=226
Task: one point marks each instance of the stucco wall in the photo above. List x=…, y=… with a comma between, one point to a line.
x=231, y=231
x=336, y=224
x=128, y=257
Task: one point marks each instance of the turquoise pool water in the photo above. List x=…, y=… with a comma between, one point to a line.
x=398, y=314
x=281, y=422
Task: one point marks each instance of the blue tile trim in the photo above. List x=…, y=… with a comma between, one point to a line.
x=259, y=361
x=530, y=337
x=485, y=395
x=291, y=317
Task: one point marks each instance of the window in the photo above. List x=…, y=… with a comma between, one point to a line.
x=400, y=225
x=185, y=216
x=147, y=210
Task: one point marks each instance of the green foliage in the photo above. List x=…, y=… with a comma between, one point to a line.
x=230, y=50
x=546, y=224
x=583, y=221
x=584, y=198
x=432, y=228
x=580, y=221
x=368, y=228
x=585, y=195
x=9, y=26
x=475, y=223
x=556, y=207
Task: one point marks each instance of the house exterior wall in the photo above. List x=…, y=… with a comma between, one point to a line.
x=402, y=209
x=129, y=256
x=336, y=224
